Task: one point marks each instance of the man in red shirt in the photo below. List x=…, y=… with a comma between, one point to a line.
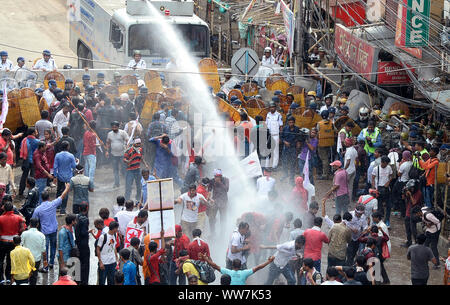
x=197, y=246
x=64, y=279
x=181, y=243
x=42, y=168
x=314, y=239
x=7, y=145
x=151, y=262
x=89, y=151
x=10, y=226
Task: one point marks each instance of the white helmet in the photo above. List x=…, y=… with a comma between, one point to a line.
x=363, y=113
x=268, y=49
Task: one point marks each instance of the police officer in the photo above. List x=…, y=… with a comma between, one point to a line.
x=86, y=79
x=20, y=64
x=386, y=139
x=372, y=139
x=137, y=62
x=46, y=63
x=326, y=142
x=6, y=64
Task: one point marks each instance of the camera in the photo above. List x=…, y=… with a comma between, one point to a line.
x=303, y=135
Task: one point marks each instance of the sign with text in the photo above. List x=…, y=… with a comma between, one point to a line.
x=289, y=25
x=389, y=74
x=417, y=23
x=400, y=34
x=359, y=55
x=154, y=194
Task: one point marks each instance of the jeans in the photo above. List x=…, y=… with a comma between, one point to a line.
x=325, y=157
x=410, y=229
x=212, y=213
x=301, y=164
x=318, y=265
x=342, y=203
x=432, y=242
x=428, y=195
x=85, y=254
x=50, y=240
x=89, y=166
x=59, y=190
x=34, y=274
x=275, y=271
x=79, y=147
x=131, y=175
x=333, y=261
x=419, y=282
x=5, y=250
x=27, y=170
x=107, y=274
x=355, y=189
x=118, y=168
x=288, y=157
x=41, y=184
x=384, y=200
x=173, y=276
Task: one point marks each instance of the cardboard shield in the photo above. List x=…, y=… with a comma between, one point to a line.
x=153, y=82
x=58, y=77
x=128, y=82
x=209, y=66
x=28, y=106
x=13, y=119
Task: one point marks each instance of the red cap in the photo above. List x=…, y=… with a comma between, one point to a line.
x=178, y=228
x=336, y=163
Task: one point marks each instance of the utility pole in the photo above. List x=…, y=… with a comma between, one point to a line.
x=300, y=28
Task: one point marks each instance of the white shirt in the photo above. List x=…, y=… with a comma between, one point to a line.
x=61, y=121
x=48, y=96
x=267, y=61
x=284, y=254
x=124, y=217
x=385, y=229
x=332, y=283
x=311, y=191
x=384, y=175
x=264, y=185
x=237, y=240
x=107, y=254
x=350, y=154
x=144, y=227
x=370, y=206
x=16, y=67
x=190, y=207
x=324, y=107
x=357, y=223
x=140, y=65
x=295, y=233
x=6, y=66
x=35, y=241
x=117, y=209
x=49, y=65
x=404, y=170
x=273, y=122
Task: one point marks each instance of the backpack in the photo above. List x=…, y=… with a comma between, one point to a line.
x=103, y=243
x=436, y=213
x=205, y=271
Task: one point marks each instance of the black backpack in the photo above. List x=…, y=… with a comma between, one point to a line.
x=205, y=270
x=436, y=212
x=103, y=243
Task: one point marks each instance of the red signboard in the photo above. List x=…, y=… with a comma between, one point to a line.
x=388, y=74
x=356, y=53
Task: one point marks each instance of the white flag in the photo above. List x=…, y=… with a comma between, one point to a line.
x=5, y=106
x=306, y=171
x=251, y=165
x=73, y=10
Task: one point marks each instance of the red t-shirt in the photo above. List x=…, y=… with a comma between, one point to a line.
x=154, y=269
x=9, y=152
x=194, y=249
x=417, y=196
x=181, y=243
x=202, y=190
x=89, y=141
x=313, y=243
x=108, y=221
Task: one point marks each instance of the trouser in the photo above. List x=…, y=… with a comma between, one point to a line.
x=276, y=152
x=410, y=229
x=85, y=255
x=59, y=190
x=5, y=250
x=151, y=155
x=50, y=241
x=173, y=277
x=397, y=195
x=318, y=265
x=22, y=282
x=428, y=195
x=384, y=274
x=275, y=271
x=384, y=200
x=201, y=221
x=133, y=175
x=432, y=242
x=419, y=282
x=289, y=157
x=41, y=184
x=325, y=155
x=352, y=248
x=89, y=166
x=351, y=179
x=301, y=165
x=342, y=203
x=107, y=274
x=118, y=168
x=333, y=261
x=34, y=274
x=27, y=170
x=79, y=146
x=188, y=227
x=355, y=189
x=212, y=213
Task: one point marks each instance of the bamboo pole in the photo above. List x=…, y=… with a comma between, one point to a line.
x=445, y=200
x=317, y=42
x=324, y=76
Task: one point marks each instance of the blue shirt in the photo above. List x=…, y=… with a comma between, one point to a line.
x=32, y=144
x=46, y=213
x=238, y=277
x=144, y=187
x=63, y=166
x=65, y=242
x=163, y=159
x=129, y=272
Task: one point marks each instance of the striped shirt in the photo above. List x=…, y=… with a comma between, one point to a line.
x=134, y=155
